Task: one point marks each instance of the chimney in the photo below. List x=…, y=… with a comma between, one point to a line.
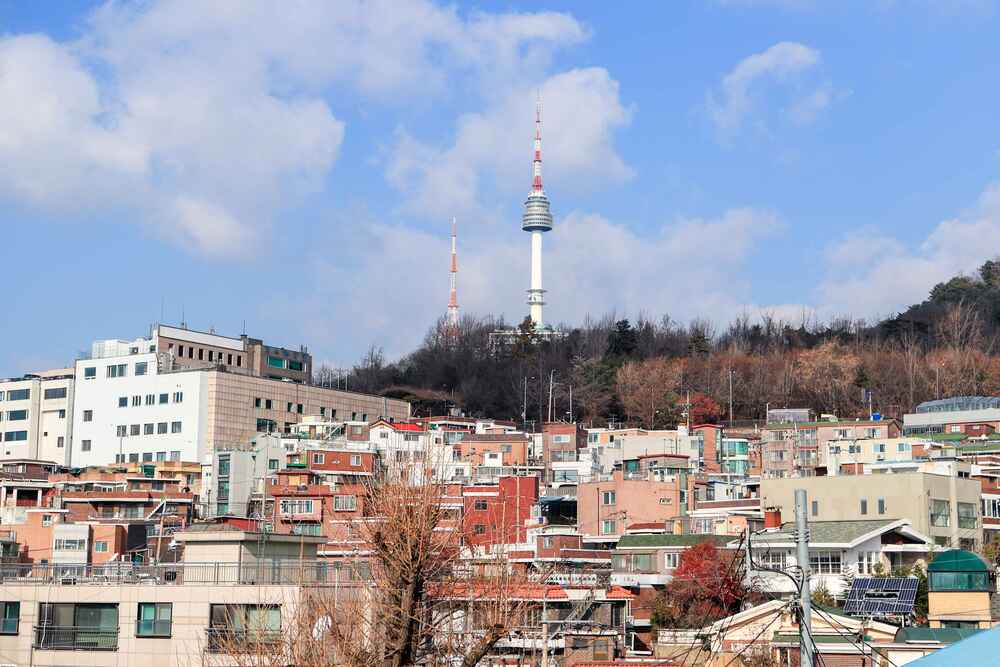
x=772, y=517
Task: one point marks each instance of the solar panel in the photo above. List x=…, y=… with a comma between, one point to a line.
x=881, y=596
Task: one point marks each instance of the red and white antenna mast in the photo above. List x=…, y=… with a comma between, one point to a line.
x=453, y=294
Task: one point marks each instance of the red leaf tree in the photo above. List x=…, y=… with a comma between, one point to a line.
x=707, y=586
x=704, y=410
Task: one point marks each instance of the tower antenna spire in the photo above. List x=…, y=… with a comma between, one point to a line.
x=453, y=277
x=536, y=220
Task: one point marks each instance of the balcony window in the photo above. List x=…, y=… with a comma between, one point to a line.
x=642, y=562
x=233, y=628
x=10, y=615
x=154, y=619
x=77, y=627
x=296, y=506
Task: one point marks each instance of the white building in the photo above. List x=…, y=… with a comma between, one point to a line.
x=36, y=416
x=126, y=410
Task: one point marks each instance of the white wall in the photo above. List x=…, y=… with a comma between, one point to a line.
x=101, y=395
x=44, y=425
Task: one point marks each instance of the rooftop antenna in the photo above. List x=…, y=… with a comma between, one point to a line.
x=244, y=327
x=183, y=319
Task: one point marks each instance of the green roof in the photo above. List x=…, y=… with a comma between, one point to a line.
x=670, y=540
x=943, y=437
x=813, y=424
x=943, y=635
x=979, y=446
x=826, y=532
x=957, y=560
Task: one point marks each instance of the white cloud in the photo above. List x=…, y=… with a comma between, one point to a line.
x=734, y=102
x=492, y=149
x=872, y=275
x=206, y=119
x=687, y=268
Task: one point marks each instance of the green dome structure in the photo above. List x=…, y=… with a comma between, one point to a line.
x=959, y=570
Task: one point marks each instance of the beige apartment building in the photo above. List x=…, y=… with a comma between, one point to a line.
x=36, y=416
x=942, y=504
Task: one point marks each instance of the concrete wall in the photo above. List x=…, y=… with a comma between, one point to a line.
x=49, y=422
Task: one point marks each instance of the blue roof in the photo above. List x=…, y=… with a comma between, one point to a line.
x=979, y=649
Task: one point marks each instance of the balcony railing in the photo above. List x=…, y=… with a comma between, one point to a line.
x=270, y=572
x=67, y=638
x=237, y=641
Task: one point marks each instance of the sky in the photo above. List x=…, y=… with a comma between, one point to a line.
x=291, y=169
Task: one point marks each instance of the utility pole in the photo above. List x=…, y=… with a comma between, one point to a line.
x=524, y=408
x=730, y=398
x=545, y=633
x=805, y=599
x=571, y=404
x=552, y=376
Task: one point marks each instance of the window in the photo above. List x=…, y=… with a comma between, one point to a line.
x=88, y=415
x=141, y=367
x=147, y=429
x=267, y=403
x=239, y=360
x=71, y=545
x=298, y=408
x=147, y=457
x=100, y=547
x=211, y=356
x=609, y=527
x=133, y=429
x=319, y=458
x=62, y=414
x=46, y=519
x=150, y=399
x=355, y=459
x=161, y=428
x=161, y=456
x=164, y=398
x=223, y=466
x=479, y=529
x=175, y=427
x=60, y=442
x=771, y=559
x=154, y=619
x=116, y=370
x=175, y=455
x=201, y=354
x=967, y=515
x=10, y=614
x=289, y=407
x=133, y=458
x=273, y=464
x=223, y=490
x=608, y=497
x=90, y=373
x=229, y=358
x=481, y=505
x=940, y=513
x=17, y=415
x=15, y=436
x=275, y=362
x=123, y=401
x=671, y=560
x=257, y=402
x=121, y=431
x=642, y=562
x=815, y=508
x=864, y=506
x=85, y=445
x=825, y=562
x=178, y=397
x=136, y=401
x=294, y=365
x=903, y=447
x=59, y=392
x=868, y=562
x=69, y=626
x=881, y=505
x=296, y=506
x=18, y=394
x=345, y=503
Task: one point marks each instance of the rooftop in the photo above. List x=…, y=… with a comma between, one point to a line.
x=827, y=532
x=670, y=540
x=957, y=560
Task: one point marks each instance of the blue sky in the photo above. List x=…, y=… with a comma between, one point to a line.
x=296, y=167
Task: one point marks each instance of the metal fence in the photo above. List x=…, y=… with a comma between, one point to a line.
x=263, y=572
x=64, y=638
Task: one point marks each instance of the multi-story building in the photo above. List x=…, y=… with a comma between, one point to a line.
x=792, y=449
x=147, y=406
x=36, y=416
x=853, y=451
x=495, y=514
x=606, y=507
x=938, y=498
x=965, y=415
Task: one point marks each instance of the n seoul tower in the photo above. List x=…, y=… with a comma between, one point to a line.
x=536, y=219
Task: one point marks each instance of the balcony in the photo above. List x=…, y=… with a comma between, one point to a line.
x=66, y=638
x=240, y=640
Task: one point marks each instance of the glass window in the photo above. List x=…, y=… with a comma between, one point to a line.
x=150, y=399
x=136, y=401
x=18, y=394
x=133, y=458
x=671, y=560
x=345, y=503
x=123, y=401
x=17, y=415
x=141, y=367
x=815, y=508
x=608, y=498
x=161, y=428
x=959, y=581
x=175, y=427
x=294, y=365
x=154, y=619
x=967, y=517
x=608, y=527
x=642, y=562
x=164, y=398
x=61, y=441
x=59, y=392
x=771, y=559
x=940, y=513
x=147, y=429
x=10, y=615
x=273, y=464
x=100, y=547
x=275, y=362
x=175, y=455
x=85, y=445
x=355, y=459
x=147, y=457
x=133, y=429
x=161, y=456
x=825, y=562
x=223, y=466
x=257, y=402
x=864, y=506
x=90, y=372
x=88, y=415
x=319, y=458
x=481, y=505
x=267, y=404
x=15, y=436
x=178, y=397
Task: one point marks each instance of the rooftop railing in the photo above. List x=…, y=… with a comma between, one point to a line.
x=270, y=572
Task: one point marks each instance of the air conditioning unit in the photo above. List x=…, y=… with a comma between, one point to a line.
x=880, y=457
